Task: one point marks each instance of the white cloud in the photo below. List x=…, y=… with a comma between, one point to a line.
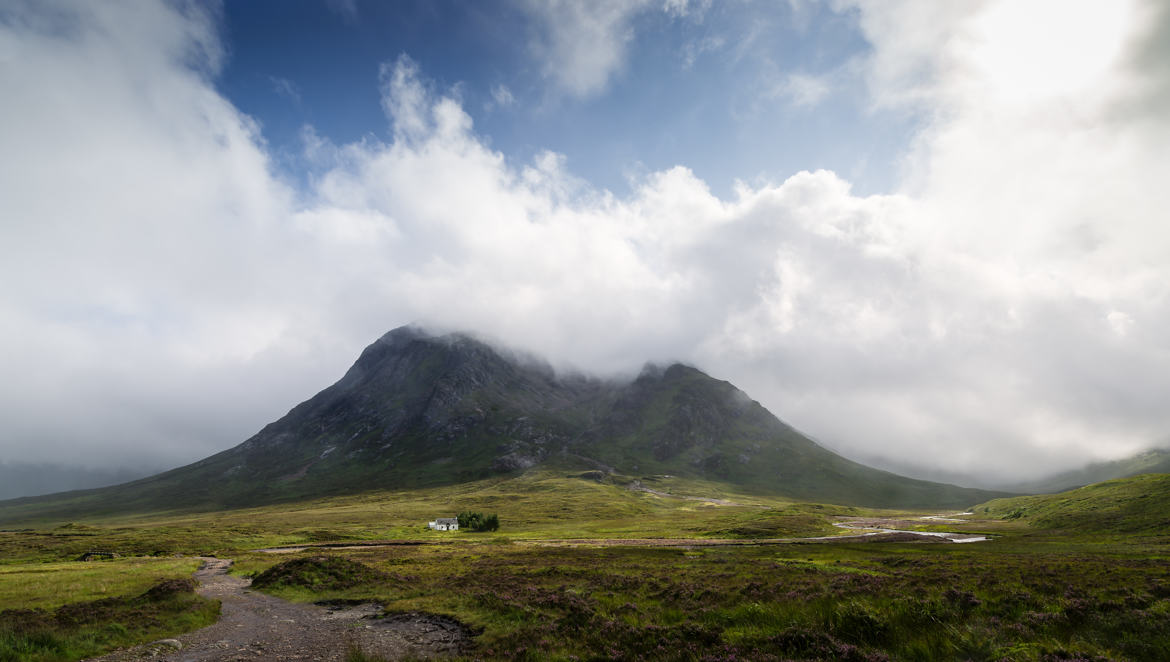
x=686, y=8
x=1007, y=311
x=693, y=50
x=286, y=88
x=136, y=206
x=1032, y=188
x=581, y=45
x=502, y=97
x=805, y=91
x=346, y=9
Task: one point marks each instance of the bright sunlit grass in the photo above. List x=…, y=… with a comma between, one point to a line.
x=50, y=585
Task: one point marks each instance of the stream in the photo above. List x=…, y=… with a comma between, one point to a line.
x=874, y=526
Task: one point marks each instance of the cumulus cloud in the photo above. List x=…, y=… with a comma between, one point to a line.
x=1035, y=187
x=136, y=206
x=1004, y=312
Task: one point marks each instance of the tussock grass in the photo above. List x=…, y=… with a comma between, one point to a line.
x=318, y=573
x=82, y=629
x=50, y=585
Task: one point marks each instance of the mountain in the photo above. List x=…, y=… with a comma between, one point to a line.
x=418, y=409
x=1138, y=504
x=19, y=479
x=1151, y=461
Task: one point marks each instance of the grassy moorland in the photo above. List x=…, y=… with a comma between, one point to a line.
x=1050, y=586
x=46, y=621
x=540, y=504
x=801, y=602
x=48, y=585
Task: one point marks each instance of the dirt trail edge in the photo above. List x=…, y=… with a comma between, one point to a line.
x=254, y=626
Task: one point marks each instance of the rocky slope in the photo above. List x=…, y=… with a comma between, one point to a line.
x=418, y=409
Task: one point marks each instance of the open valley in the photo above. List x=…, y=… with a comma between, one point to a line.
x=627, y=575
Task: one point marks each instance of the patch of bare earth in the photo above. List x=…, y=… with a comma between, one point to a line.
x=255, y=626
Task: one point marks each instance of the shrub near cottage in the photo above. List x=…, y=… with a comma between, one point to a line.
x=478, y=521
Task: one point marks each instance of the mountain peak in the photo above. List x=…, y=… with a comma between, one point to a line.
x=420, y=408
x=659, y=371
x=403, y=335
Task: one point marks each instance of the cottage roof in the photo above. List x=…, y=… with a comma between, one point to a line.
x=447, y=520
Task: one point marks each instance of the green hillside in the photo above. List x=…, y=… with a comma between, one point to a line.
x=1140, y=504
x=1152, y=461
x=683, y=422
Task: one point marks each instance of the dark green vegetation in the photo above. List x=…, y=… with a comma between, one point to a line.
x=476, y=521
x=417, y=410
x=1129, y=505
x=82, y=629
x=318, y=573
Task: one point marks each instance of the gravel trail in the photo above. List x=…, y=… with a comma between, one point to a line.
x=255, y=626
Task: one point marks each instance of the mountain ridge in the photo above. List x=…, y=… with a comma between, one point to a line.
x=419, y=409
x=1149, y=461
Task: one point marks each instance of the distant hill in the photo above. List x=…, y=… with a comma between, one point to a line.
x=1139, y=504
x=1147, y=462
x=420, y=410
x=19, y=479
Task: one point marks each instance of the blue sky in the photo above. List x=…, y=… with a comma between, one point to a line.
x=704, y=88
x=932, y=235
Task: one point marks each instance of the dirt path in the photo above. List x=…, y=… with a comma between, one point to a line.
x=254, y=626
x=637, y=486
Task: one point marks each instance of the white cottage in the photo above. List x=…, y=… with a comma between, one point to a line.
x=444, y=524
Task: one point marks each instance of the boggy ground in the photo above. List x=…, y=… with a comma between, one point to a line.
x=1031, y=599
x=255, y=626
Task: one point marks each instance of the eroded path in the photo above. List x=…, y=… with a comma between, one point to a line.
x=255, y=626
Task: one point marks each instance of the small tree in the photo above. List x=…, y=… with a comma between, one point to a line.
x=478, y=521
